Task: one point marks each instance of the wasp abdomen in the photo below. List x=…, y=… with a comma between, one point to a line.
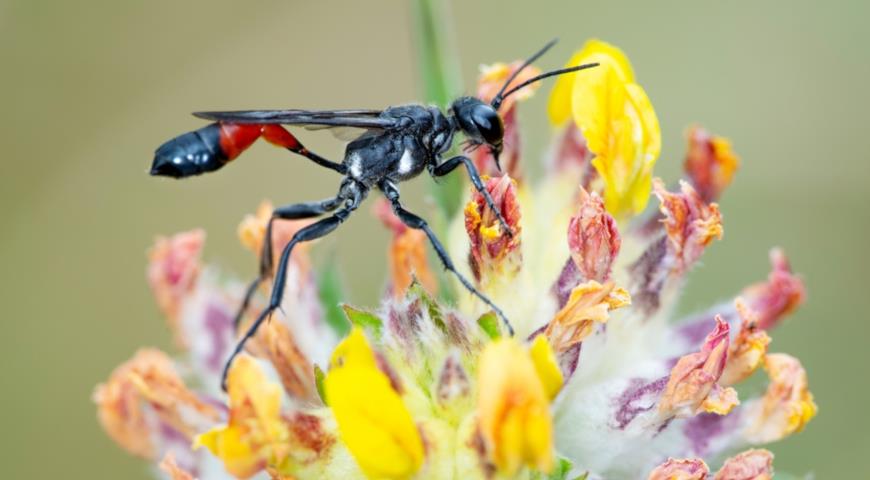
x=189, y=154
x=213, y=146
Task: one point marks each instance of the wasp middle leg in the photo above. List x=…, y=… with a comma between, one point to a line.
x=351, y=195
x=413, y=221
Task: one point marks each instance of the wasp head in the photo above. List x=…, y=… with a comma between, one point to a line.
x=480, y=122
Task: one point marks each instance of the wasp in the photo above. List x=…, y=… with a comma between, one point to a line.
x=393, y=145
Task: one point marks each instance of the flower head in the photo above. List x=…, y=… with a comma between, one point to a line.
x=494, y=252
x=598, y=381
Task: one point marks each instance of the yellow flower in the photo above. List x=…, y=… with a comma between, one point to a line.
x=374, y=423
x=256, y=436
x=546, y=365
x=513, y=405
x=617, y=120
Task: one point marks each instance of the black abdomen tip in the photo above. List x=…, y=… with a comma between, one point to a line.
x=189, y=154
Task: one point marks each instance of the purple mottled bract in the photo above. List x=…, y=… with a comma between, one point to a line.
x=628, y=404
x=703, y=429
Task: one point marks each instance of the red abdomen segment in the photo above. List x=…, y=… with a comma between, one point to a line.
x=215, y=145
x=236, y=138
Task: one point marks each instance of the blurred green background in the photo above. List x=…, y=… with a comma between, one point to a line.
x=90, y=88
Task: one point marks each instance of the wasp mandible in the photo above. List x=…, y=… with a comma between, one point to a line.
x=395, y=144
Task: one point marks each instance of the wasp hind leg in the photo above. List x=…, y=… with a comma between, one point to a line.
x=415, y=222
x=314, y=231
x=295, y=211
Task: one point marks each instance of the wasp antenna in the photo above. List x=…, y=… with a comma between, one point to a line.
x=499, y=97
x=542, y=76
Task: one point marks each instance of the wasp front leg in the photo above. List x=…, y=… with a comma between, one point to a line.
x=449, y=165
x=413, y=221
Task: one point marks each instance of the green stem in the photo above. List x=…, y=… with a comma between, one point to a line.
x=439, y=69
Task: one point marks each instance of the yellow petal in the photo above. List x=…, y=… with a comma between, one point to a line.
x=618, y=122
x=649, y=123
x=546, y=366
x=559, y=106
x=513, y=409
x=257, y=435
x=374, y=423
x=598, y=102
x=228, y=444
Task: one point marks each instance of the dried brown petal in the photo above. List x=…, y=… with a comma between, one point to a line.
x=687, y=469
x=593, y=238
x=148, y=384
x=694, y=377
x=173, y=268
x=755, y=464
x=710, y=163
x=690, y=222
x=778, y=296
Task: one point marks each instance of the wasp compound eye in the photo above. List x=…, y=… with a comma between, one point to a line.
x=488, y=123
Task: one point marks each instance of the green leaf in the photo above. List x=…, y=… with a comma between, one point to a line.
x=560, y=472
x=563, y=468
x=368, y=321
x=331, y=293
x=489, y=323
x=319, y=377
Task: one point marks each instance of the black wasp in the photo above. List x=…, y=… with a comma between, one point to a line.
x=396, y=144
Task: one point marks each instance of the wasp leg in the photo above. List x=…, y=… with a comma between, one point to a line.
x=449, y=165
x=288, y=212
x=316, y=230
x=413, y=221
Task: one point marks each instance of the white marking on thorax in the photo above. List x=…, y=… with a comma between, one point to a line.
x=406, y=163
x=355, y=166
